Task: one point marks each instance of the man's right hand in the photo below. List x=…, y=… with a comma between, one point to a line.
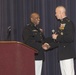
x=45, y=46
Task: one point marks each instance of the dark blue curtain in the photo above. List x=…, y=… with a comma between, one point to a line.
x=14, y=15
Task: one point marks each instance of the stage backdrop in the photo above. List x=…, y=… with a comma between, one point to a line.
x=14, y=15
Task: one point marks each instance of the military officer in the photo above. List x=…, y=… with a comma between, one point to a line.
x=33, y=36
x=64, y=40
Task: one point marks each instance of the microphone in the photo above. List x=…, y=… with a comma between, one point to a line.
x=53, y=31
x=9, y=28
x=8, y=33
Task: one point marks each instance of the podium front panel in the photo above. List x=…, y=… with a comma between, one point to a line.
x=16, y=59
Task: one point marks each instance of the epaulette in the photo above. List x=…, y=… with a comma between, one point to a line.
x=68, y=20
x=28, y=24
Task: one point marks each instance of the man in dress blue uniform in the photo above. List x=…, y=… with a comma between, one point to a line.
x=33, y=36
x=64, y=40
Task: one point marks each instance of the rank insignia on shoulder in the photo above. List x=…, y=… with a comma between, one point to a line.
x=34, y=30
x=68, y=20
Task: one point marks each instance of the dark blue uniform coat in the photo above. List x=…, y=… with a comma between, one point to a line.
x=33, y=37
x=65, y=40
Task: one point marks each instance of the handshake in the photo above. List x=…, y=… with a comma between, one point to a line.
x=46, y=46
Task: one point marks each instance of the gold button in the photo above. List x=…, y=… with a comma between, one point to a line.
x=64, y=46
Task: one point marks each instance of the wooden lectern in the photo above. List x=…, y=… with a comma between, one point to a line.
x=16, y=58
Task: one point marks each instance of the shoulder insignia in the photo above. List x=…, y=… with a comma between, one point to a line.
x=35, y=30
x=68, y=20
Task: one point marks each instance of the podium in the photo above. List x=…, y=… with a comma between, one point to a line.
x=16, y=58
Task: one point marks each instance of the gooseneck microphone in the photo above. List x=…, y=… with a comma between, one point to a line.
x=8, y=33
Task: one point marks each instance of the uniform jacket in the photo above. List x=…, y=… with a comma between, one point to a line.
x=65, y=39
x=33, y=37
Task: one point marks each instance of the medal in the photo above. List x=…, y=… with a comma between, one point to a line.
x=62, y=26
